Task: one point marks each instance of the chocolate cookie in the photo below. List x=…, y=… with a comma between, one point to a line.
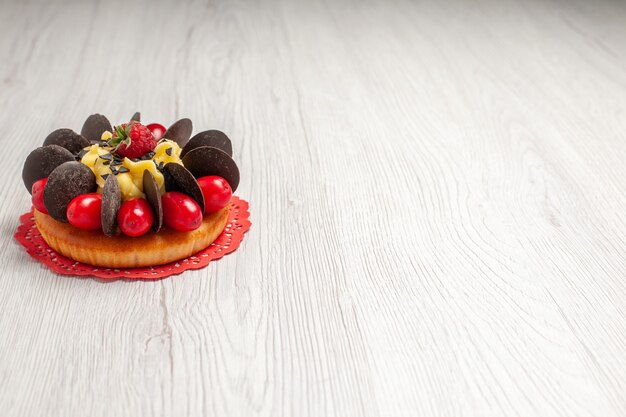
x=94, y=126
x=67, y=181
x=68, y=139
x=184, y=181
x=153, y=195
x=214, y=138
x=207, y=160
x=111, y=203
x=42, y=161
x=179, y=132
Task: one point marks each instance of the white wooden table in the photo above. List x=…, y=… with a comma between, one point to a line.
x=438, y=201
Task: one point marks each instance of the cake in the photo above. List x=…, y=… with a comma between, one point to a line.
x=132, y=195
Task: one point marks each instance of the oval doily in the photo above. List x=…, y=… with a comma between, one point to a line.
x=238, y=224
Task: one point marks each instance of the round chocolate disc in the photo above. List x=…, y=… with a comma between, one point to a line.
x=111, y=202
x=170, y=184
x=67, y=181
x=94, y=126
x=67, y=139
x=179, y=132
x=153, y=195
x=185, y=182
x=42, y=161
x=136, y=117
x=206, y=160
x=214, y=138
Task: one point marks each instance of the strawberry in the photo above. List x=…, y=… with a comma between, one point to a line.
x=132, y=140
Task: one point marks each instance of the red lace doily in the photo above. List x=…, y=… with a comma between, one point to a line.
x=238, y=224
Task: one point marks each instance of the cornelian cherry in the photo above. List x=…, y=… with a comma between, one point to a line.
x=85, y=211
x=216, y=191
x=135, y=217
x=181, y=212
x=37, y=195
x=158, y=130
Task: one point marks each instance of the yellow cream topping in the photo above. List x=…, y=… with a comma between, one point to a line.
x=131, y=182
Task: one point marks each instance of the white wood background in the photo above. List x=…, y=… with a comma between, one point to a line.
x=438, y=201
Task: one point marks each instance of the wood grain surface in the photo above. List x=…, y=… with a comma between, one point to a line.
x=438, y=200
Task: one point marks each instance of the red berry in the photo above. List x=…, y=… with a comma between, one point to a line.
x=132, y=140
x=216, y=191
x=85, y=211
x=181, y=212
x=157, y=130
x=135, y=217
x=37, y=192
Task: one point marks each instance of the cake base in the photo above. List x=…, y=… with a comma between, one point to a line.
x=120, y=251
